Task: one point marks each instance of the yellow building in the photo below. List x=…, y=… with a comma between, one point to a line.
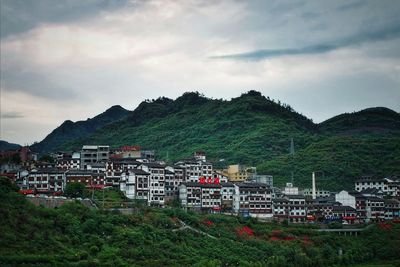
x=238, y=173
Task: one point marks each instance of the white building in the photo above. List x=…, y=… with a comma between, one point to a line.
x=156, y=183
x=290, y=189
x=253, y=199
x=135, y=184
x=346, y=199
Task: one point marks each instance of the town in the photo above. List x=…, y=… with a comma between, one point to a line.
x=235, y=190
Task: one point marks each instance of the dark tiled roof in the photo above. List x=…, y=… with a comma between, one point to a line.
x=154, y=165
x=227, y=184
x=48, y=170
x=138, y=171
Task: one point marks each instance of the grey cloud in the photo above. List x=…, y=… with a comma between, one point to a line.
x=22, y=15
x=12, y=115
x=385, y=34
x=351, y=5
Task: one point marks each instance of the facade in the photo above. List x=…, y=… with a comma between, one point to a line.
x=318, y=192
x=227, y=196
x=46, y=180
x=156, y=183
x=290, y=190
x=297, y=212
x=280, y=208
x=345, y=213
x=94, y=154
x=346, y=199
x=237, y=173
x=389, y=186
x=253, y=199
x=135, y=184
x=392, y=209
x=375, y=209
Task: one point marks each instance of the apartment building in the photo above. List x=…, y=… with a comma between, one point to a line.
x=253, y=199
x=389, y=186
x=49, y=180
x=135, y=184
x=156, y=182
x=92, y=154
x=297, y=211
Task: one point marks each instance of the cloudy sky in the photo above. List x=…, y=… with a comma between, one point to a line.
x=73, y=59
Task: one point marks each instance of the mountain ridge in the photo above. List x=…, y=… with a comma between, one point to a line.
x=255, y=130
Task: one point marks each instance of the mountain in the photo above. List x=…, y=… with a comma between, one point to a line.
x=69, y=131
x=255, y=130
x=4, y=146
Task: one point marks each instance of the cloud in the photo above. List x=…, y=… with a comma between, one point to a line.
x=385, y=34
x=18, y=16
x=12, y=115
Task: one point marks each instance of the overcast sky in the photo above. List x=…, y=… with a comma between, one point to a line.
x=74, y=59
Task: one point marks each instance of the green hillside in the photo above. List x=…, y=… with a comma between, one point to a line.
x=74, y=235
x=255, y=130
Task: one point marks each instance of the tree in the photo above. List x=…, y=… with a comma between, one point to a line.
x=74, y=190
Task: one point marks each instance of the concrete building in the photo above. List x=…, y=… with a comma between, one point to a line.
x=156, y=183
x=290, y=190
x=135, y=184
x=238, y=173
x=93, y=154
x=318, y=192
x=253, y=199
x=389, y=186
x=46, y=180
x=297, y=208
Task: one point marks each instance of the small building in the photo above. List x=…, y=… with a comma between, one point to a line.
x=253, y=199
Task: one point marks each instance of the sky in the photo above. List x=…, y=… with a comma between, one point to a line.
x=73, y=59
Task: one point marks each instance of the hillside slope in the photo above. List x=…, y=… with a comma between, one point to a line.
x=74, y=235
x=4, y=146
x=69, y=130
x=254, y=130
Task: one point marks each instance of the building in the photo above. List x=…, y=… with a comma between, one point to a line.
x=67, y=161
x=253, y=199
x=296, y=208
x=345, y=213
x=238, y=173
x=196, y=168
x=318, y=192
x=375, y=209
x=202, y=197
x=389, y=186
x=156, y=183
x=346, y=199
x=48, y=180
x=135, y=184
x=280, y=208
x=262, y=178
x=114, y=168
x=227, y=196
x=94, y=154
x=290, y=190
x=392, y=209
x=128, y=152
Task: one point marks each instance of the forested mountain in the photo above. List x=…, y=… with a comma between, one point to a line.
x=4, y=145
x=255, y=130
x=69, y=131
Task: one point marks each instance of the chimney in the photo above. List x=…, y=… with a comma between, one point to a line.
x=314, y=195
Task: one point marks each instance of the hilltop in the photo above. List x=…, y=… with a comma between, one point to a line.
x=4, y=146
x=255, y=130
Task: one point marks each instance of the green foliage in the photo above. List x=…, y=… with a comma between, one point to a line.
x=255, y=130
x=74, y=235
x=75, y=190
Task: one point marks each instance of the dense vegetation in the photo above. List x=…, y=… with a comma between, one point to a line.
x=255, y=130
x=4, y=146
x=74, y=235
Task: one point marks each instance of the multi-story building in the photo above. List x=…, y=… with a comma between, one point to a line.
x=93, y=154
x=227, y=195
x=280, y=208
x=297, y=208
x=156, y=183
x=114, y=168
x=392, y=209
x=375, y=209
x=389, y=186
x=345, y=213
x=46, y=180
x=238, y=173
x=318, y=192
x=346, y=199
x=253, y=199
x=135, y=184
x=204, y=197
x=128, y=152
x=196, y=168
x=290, y=190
